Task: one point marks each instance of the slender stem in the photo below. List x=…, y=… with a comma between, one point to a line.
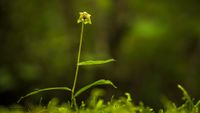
x=73, y=100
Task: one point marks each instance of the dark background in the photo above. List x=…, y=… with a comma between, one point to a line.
x=156, y=45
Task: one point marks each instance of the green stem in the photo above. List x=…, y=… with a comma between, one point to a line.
x=73, y=100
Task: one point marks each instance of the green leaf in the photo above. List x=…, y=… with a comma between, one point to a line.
x=96, y=83
x=42, y=90
x=96, y=62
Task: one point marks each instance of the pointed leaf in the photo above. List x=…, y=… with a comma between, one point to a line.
x=96, y=83
x=95, y=62
x=42, y=90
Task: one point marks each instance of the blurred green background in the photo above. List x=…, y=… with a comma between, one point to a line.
x=156, y=45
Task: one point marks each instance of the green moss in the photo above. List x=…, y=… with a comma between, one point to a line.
x=121, y=105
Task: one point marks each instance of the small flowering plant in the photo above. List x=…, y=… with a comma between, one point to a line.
x=84, y=19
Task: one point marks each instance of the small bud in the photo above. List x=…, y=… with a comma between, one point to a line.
x=85, y=18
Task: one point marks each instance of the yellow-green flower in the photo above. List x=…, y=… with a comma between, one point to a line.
x=84, y=17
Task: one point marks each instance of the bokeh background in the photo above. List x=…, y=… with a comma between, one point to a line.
x=156, y=45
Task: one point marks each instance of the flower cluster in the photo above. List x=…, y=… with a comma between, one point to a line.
x=84, y=17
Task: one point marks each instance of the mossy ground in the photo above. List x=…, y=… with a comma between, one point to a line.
x=121, y=105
